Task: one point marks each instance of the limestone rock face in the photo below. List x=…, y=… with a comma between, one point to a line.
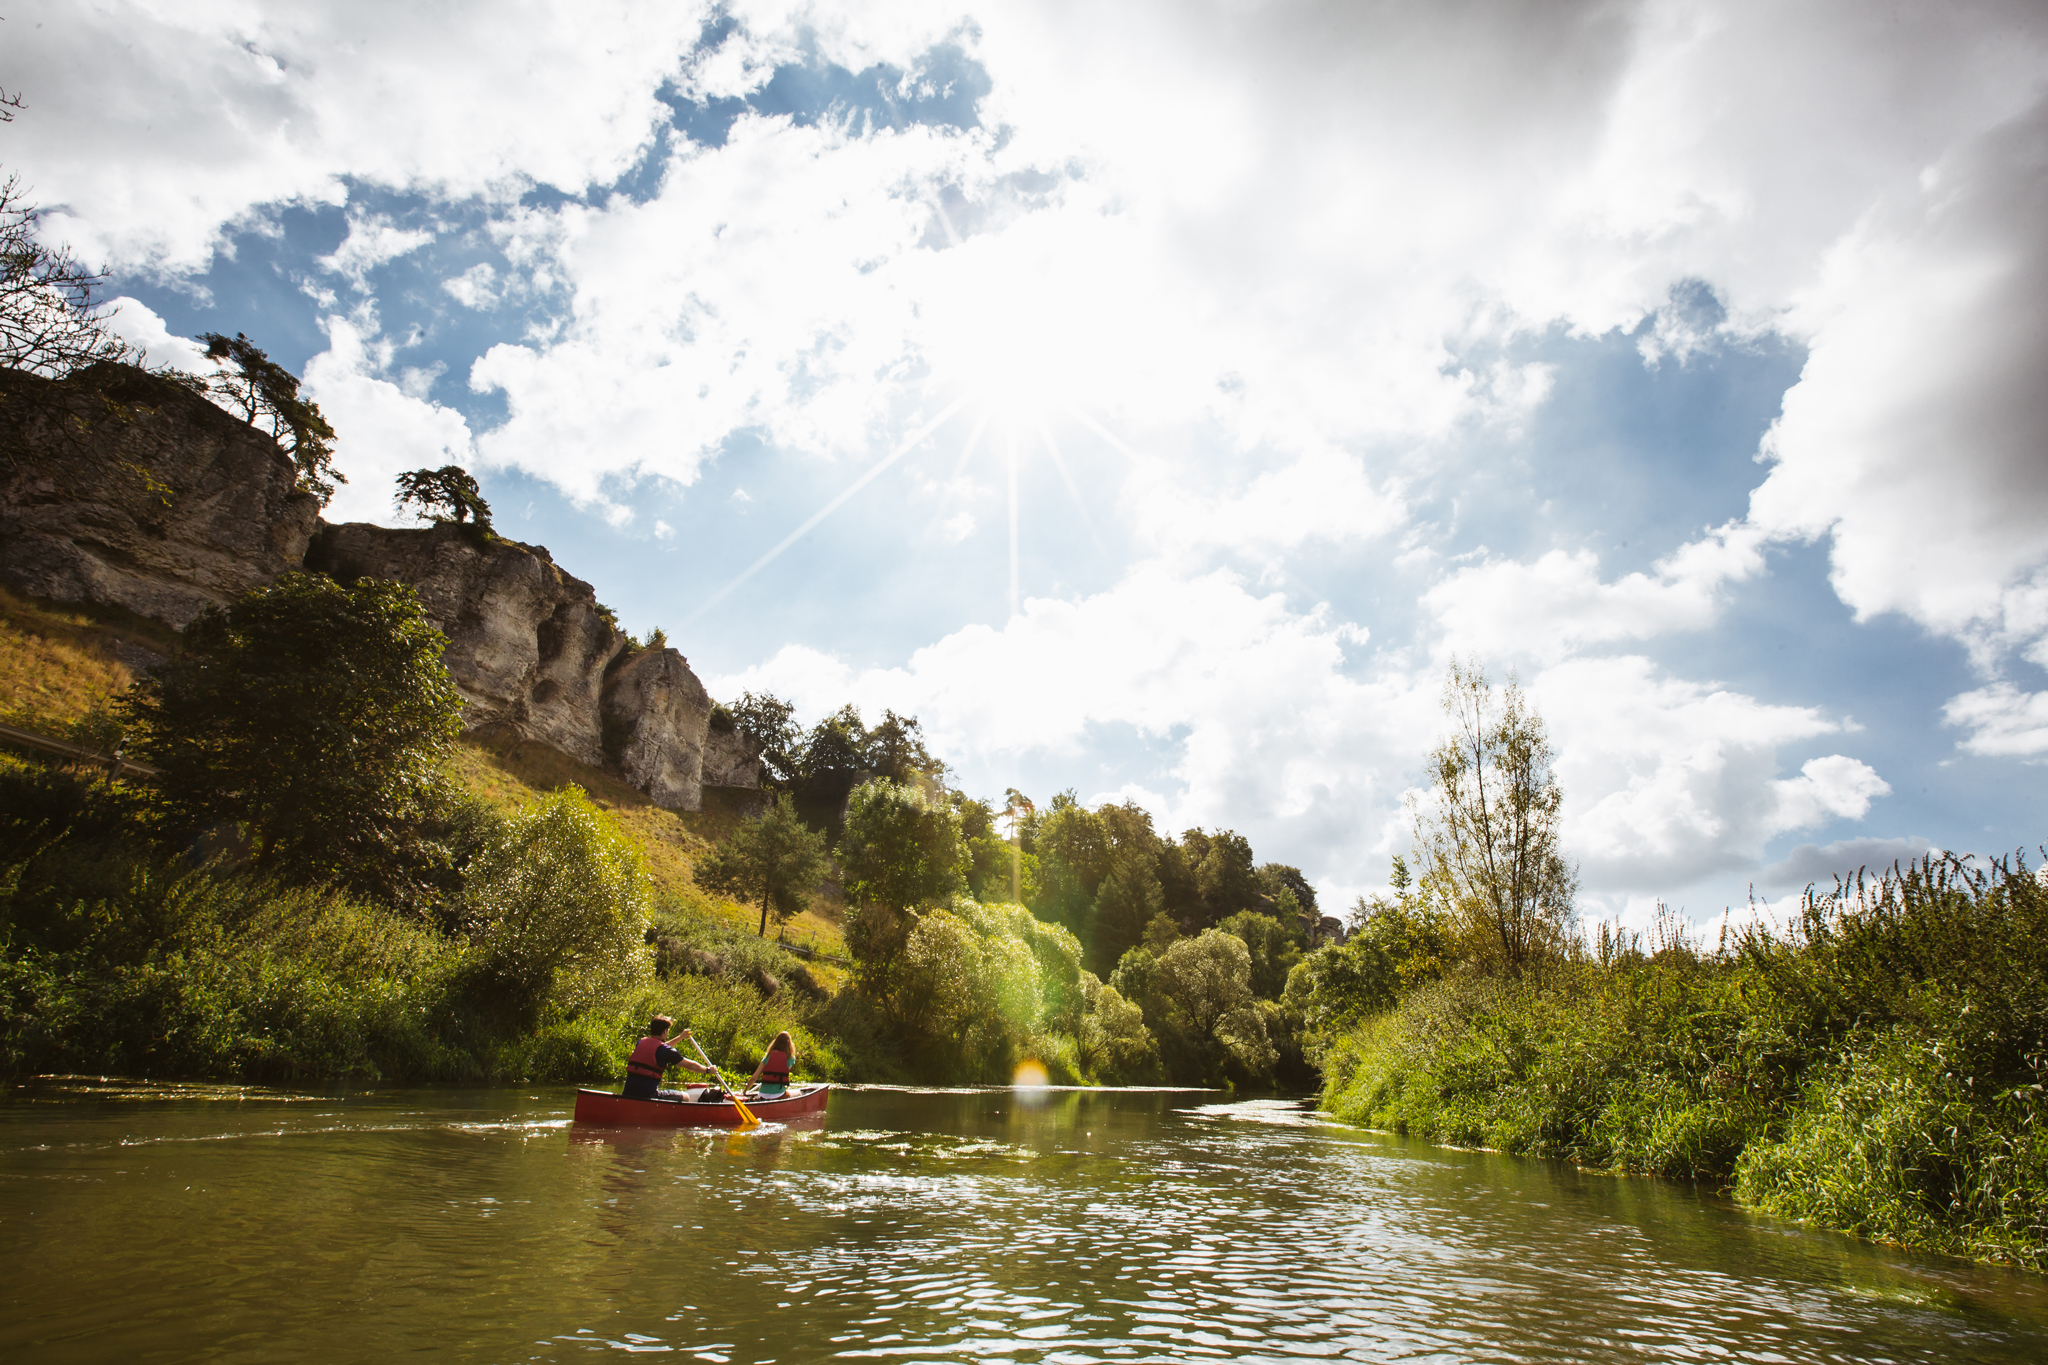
x=535, y=660
x=730, y=758
x=526, y=645
x=120, y=489
x=656, y=718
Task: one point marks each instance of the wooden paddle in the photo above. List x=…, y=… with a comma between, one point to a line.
x=747, y=1119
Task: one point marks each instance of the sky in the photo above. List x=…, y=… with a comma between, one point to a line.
x=1154, y=398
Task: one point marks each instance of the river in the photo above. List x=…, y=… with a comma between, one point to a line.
x=153, y=1222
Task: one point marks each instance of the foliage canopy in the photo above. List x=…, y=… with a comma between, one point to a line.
x=774, y=861
x=315, y=715
x=444, y=494
x=1490, y=840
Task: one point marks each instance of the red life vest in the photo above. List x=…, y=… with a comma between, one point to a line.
x=775, y=1068
x=642, y=1062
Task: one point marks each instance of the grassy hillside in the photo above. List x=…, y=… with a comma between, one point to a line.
x=510, y=776
x=59, y=675
x=58, y=667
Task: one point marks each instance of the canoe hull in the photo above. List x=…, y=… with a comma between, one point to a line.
x=603, y=1107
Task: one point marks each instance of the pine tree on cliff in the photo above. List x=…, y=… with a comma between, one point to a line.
x=444, y=494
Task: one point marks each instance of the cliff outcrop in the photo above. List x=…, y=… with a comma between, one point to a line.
x=119, y=489
x=537, y=658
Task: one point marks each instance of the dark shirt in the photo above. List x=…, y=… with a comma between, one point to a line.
x=647, y=1087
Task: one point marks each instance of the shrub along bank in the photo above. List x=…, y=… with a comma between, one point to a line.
x=121, y=957
x=338, y=891
x=1878, y=1067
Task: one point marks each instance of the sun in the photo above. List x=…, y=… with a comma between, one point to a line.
x=1003, y=375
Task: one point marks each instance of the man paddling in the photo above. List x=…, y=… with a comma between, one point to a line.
x=651, y=1057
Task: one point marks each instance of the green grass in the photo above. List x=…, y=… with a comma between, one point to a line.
x=1878, y=1070
x=121, y=958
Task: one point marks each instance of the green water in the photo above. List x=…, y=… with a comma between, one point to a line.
x=154, y=1222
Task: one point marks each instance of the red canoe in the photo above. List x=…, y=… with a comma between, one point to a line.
x=616, y=1111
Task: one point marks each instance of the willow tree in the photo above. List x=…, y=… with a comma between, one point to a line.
x=1489, y=837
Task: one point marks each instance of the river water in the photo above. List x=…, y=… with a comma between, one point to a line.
x=153, y=1222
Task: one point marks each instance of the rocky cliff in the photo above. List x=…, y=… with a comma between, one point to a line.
x=122, y=490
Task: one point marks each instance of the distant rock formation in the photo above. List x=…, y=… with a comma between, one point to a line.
x=536, y=660
x=119, y=489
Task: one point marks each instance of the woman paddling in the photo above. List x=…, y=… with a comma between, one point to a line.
x=772, y=1076
x=651, y=1057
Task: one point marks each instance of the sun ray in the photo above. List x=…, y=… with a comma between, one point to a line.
x=1066, y=477
x=973, y=440
x=1085, y=420
x=829, y=508
x=1013, y=520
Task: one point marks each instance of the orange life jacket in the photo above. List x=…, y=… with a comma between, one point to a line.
x=643, y=1062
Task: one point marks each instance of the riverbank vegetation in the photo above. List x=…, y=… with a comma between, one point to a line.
x=1875, y=1066
x=320, y=884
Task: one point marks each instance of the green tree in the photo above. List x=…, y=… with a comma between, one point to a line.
x=770, y=722
x=1128, y=900
x=1490, y=838
x=557, y=910
x=1274, y=947
x=1196, y=995
x=1276, y=879
x=774, y=861
x=988, y=853
x=263, y=393
x=900, y=850
x=1115, y=1047
x=443, y=494
x=318, y=716
x=1226, y=880
x=1073, y=849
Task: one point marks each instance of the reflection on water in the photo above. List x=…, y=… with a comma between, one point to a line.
x=175, y=1223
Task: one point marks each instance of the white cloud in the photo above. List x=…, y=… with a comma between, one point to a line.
x=2003, y=721
x=1914, y=438
x=154, y=125
x=382, y=429
x=1834, y=787
x=1667, y=781
x=663, y=531
x=372, y=240
x=139, y=325
x=1323, y=495
x=1558, y=605
x=475, y=287
x=1273, y=735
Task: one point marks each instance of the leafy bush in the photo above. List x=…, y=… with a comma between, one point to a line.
x=1196, y=996
x=1878, y=1068
x=315, y=717
x=557, y=908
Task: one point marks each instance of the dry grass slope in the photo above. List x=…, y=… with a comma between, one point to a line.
x=56, y=665
x=510, y=775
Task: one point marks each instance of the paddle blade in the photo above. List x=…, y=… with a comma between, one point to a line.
x=747, y=1119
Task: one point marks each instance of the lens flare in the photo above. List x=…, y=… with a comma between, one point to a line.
x=1029, y=1075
